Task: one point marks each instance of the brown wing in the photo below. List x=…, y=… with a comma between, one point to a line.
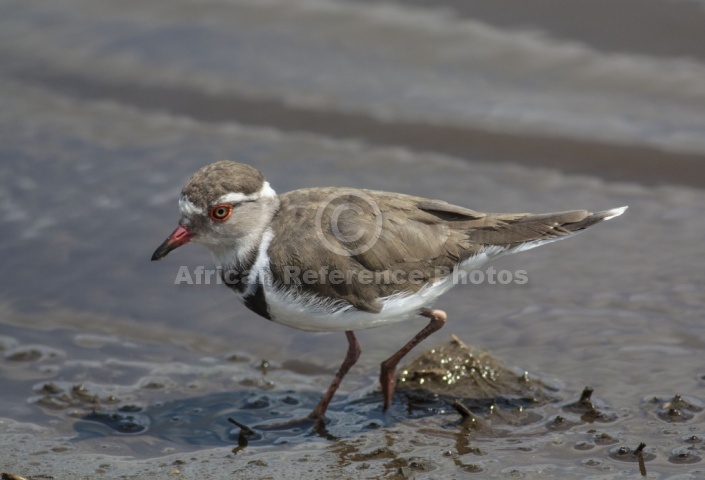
x=385, y=243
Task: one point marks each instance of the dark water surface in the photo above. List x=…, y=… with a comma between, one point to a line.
x=107, y=108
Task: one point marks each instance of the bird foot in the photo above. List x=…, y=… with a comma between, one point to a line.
x=387, y=368
x=317, y=424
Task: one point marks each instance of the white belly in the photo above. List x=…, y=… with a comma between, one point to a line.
x=307, y=312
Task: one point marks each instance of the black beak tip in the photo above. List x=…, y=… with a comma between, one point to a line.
x=162, y=251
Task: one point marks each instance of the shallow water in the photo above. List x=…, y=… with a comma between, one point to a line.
x=93, y=159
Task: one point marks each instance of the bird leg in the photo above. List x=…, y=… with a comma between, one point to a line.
x=386, y=374
x=351, y=357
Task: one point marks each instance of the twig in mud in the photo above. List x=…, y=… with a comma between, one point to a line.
x=462, y=409
x=469, y=420
x=245, y=431
x=640, y=458
x=585, y=396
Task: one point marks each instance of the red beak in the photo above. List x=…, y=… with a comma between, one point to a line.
x=177, y=238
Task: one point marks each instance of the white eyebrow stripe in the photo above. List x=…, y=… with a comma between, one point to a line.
x=236, y=197
x=188, y=208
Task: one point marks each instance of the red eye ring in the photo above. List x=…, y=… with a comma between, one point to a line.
x=221, y=213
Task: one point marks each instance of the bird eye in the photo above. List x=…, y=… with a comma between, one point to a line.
x=220, y=213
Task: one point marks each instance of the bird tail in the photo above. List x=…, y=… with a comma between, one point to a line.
x=516, y=233
x=593, y=218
